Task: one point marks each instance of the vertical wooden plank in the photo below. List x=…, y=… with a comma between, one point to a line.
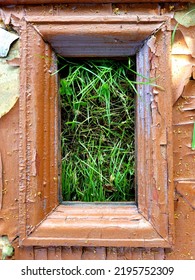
x=44, y=131
x=159, y=254
x=94, y=253
x=40, y=253
x=162, y=189
x=143, y=132
x=54, y=253
x=23, y=130
x=55, y=153
x=23, y=253
x=31, y=142
x=124, y=253
x=38, y=131
x=111, y=253
x=67, y=253
x=72, y=253
x=154, y=134
x=136, y=254
x=147, y=254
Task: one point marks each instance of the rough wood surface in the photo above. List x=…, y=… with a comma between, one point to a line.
x=98, y=225
x=38, y=150
x=183, y=164
x=39, y=135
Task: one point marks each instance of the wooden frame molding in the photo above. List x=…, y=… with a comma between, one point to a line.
x=43, y=220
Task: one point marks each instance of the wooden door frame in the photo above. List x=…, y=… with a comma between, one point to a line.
x=43, y=220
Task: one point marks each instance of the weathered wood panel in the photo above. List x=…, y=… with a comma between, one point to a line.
x=9, y=158
x=103, y=225
x=38, y=162
x=183, y=157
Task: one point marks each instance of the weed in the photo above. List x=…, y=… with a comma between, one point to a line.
x=97, y=136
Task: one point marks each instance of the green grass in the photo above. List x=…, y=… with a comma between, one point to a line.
x=97, y=130
x=193, y=138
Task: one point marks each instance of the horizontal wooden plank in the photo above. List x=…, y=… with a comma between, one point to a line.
x=95, y=225
x=136, y=243
x=99, y=19
x=89, y=36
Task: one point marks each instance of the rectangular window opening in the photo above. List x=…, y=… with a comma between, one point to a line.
x=97, y=97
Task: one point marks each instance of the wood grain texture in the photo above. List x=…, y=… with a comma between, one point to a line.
x=98, y=225
x=9, y=157
x=154, y=134
x=38, y=130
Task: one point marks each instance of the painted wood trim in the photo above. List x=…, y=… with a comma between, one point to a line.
x=98, y=19
x=39, y=164
x=96, y=225
x=38, y=128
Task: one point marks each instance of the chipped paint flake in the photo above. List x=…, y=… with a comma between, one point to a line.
x=6, y=39
x=9, y=81
x=181, y=73
x=151, y=44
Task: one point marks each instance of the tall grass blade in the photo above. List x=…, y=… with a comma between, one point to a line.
x=193, y=138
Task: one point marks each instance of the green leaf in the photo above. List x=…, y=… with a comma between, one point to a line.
x=7, y=251
x=187, y=17
x=65, y=88
x=104, y=90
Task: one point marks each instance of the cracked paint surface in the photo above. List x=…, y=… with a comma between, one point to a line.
x=184, y=163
